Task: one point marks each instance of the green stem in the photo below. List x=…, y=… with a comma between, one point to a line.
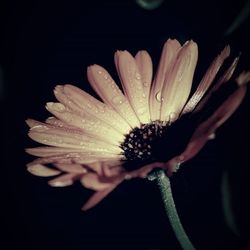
x=166, y=193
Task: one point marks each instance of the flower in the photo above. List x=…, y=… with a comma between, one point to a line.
x=150, y=124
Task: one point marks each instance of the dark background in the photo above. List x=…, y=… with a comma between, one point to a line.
x=44, y=43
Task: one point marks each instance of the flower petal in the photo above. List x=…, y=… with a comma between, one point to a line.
x=178, y=84
x=95, y=182
x=54, y=151
x=71, y=168
x=41, y=170
x=203, y=132
x=63, y=180
x=243, y=78
x=81, y=103
x=99, y=196
x=58, y=123
x=223, y=79
x=167, y=60
x=132, y=84
x=59, y=137
x=110, y=93
x=145, y=67
x=90, y=125
x=206, y=80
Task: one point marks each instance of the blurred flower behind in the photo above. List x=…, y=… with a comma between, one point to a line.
x=148, y=124
x=149, y=4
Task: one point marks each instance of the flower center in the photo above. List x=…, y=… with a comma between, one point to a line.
x=156, y=141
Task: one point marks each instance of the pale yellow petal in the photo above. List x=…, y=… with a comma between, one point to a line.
x=110, y=93
x=89, y=125
x=178, y=84
x=41, y=170
x=145, y=66
x=82, y=103
x=131, y=80
x=167, y=60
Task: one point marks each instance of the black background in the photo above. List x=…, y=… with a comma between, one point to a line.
x=44, y=43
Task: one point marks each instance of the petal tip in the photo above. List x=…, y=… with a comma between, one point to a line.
x=243, y=78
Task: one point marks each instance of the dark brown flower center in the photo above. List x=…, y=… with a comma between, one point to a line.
x=156, y=141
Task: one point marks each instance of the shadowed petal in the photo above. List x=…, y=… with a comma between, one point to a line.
x=41, y=170
x=203, y=132
x=71, y=168
x=63, y=180
x=243, y=78
x=206, y=80
x=99, y=196
x=223, y=79
x=95, y=182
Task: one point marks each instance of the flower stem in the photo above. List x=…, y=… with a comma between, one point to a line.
x=163, y=183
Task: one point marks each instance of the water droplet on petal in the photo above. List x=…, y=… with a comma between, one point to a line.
x=158, y=96
x=145, y=84
x=138, y=76
x=118, y=99
x=99, y=72
x=102, y=110
x=141, y=111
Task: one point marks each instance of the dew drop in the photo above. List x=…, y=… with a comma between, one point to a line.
x=137, y=76
x=145, y=84
x=118, y=99
x=143, y=95
x=99, y=72
x=158, y=97
x=141, y=111
x=101, y=110
x=106, y=77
